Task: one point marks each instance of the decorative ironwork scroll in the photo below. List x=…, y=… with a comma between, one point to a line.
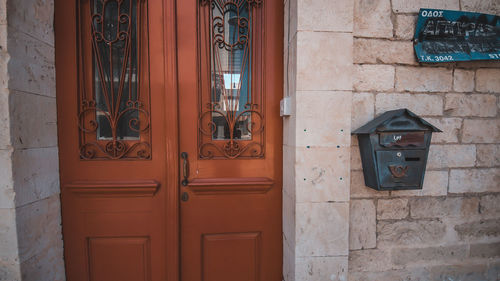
x=231, y=121
x=114, y=119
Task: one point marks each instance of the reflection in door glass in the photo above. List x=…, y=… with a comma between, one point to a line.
x=115, y=69
x=231, y=70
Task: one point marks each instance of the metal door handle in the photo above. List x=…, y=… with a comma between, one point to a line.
x=185, y=168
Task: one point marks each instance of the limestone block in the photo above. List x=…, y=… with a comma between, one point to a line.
x=421, y=104
x=363, y=109
x=321, y=268
x=390, y=233
x=413, y=274
x=3, y=12
x=480, y=105
x=359, y=190
x=356, y=164
x=450, y=127
x=325, y=15
x=372, y=18
x=39, y=228
x=485, y=250
x=323, y=119
x=405, y=26
x=404, y=256
x=423, y=79
x=24, y=47
x=440, y=207
x=324, y=61
x=481, y=131
x=451, y=156
x=489, y=205
x=481, y=6
x=435, y=184
x=7, y=193
x=413, y=6
x=374, y=78
x=383, y=51
x=36, y=21
x=488, y=155
x=288, y=220
x=322, y=174
x=5, y=141
x=474, y=180
x=392, y=209
x=33, y=120
x=369, y=260
x=487, y=80
x=322, y=229
x=36, y=174
x=478, y=229
x=8, y=237
x=30, y=77
x=467, y=272
x=289, y=171
x=362, y=225
x=463, y=80
x=288, y=263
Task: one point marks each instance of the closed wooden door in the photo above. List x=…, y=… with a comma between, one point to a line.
x=138, y=83
x=230, y=84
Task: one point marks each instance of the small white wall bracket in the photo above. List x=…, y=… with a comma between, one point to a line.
x=286, y=107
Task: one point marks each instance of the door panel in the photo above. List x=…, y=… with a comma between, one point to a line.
x=118, y=178
x=231, y=216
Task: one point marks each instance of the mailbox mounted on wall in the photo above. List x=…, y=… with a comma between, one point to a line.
x=394, y=149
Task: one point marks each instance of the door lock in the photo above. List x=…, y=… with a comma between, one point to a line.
x=184, y=196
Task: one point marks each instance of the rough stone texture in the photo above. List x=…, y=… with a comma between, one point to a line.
x=410, y=232
x=362, y=109
x=362, y=225
x=467, y=272
x=480, y=105
x=481, y=6
x=321, y=56
x=489, y=205
x=392, y=209
x=375, y=51
x=406, y=256
x=413, y=274
x=439, y=207
x=321, y=268
x=369, y=260
x=485, y=250
x=481, y=131
x=474, y=180
x=413, y=6
x=372, y=18
x=322, y=229
x=333, y=16
x=374, y=77
x=487, y=80
x=478, y=229
x=488, y=155
x=450, y=127
x=422, y=104
x=451, y=156
x=405, y=26
x=359, y=190
x=423, y=79
x=463, y=80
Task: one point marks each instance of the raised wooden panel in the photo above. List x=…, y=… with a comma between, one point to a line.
x=231, y=256
x=230, y=185
x=114, y=188
x=119, y=258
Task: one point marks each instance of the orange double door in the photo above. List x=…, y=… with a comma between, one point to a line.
x=170, y=140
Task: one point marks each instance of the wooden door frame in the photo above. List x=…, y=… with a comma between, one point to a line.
x=172, y=216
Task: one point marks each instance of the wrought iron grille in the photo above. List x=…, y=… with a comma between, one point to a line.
x=231, y=121
x=114, y=119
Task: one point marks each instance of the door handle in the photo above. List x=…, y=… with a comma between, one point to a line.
x=185, y=168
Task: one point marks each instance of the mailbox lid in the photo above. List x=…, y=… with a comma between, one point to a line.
x=403, y=139
x=401, y=169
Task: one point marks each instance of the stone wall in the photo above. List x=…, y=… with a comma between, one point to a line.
x=30, y=220
x=318, y=78
x=449, y=230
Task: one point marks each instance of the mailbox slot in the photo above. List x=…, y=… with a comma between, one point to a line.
x=400, y=168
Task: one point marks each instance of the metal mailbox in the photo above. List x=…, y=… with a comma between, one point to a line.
x=394, y=148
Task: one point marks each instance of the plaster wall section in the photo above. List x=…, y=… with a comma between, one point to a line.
x=449, y=230
x=318, y=79
x=29, y=141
